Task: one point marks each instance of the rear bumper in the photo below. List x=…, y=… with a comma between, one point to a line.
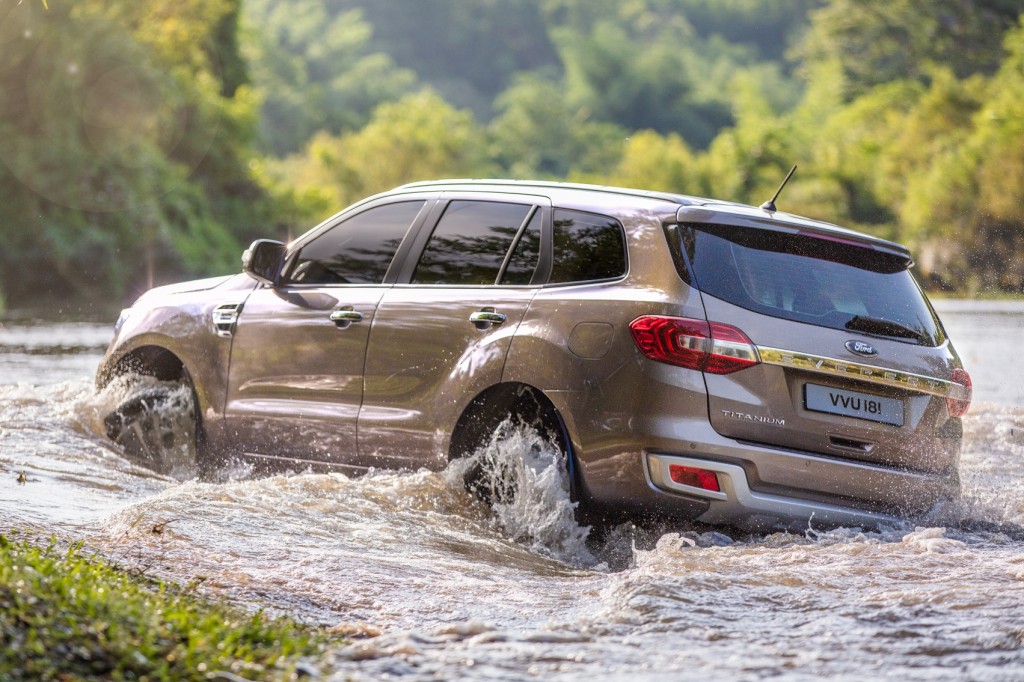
x=761, y=487
x=736, y=504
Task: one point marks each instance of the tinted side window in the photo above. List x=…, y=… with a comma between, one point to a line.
x=526, y=253
x=469, y=243
x=358, y=250
x=587, y=247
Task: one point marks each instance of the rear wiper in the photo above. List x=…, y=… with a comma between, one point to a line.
x=875, y=325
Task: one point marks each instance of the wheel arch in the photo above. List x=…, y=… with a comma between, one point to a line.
x=148, y=360
x=493, y=405
x=487, y=410
x=157, y=361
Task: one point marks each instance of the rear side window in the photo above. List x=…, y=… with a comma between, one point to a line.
x=525, y=254
x=359, y=249
x=587, y=247
x=810, y=279
x=470, y=243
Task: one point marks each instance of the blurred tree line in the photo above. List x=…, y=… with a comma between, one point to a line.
x=147, y=140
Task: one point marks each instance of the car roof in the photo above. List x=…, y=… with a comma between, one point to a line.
x=557, y=190
x=687, y=208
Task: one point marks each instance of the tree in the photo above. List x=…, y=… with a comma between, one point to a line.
x=537, y=133
x=878, y=41
x=117, y=138
x=638, y=81
x=419, y=137
x=315, y=71
x=964, y=207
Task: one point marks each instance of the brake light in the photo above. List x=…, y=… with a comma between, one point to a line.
x=694, y=477
x=958, y=406
x=710, y=347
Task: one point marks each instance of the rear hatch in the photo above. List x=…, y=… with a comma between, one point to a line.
x=853, y=363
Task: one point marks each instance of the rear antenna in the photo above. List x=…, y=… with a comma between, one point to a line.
x=770, y=204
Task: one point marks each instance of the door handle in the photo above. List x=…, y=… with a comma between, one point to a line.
x=345, y=317
x=483, y=319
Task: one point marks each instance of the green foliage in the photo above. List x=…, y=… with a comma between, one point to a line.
x=537, y=134
x=640, y=79
x=768, y=26
x=147, y=141
x=64, y=615
x=468, y=52
x=651, y=161
x=419, y=137
x=965, y=206
x=119, y=143
x=878, y=41
x=315, y=70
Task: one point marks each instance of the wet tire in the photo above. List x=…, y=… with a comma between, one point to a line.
x=156, y=427
x=523, y=473
x=491, y=478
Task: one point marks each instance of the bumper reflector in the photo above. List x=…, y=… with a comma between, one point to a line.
x=694, y=477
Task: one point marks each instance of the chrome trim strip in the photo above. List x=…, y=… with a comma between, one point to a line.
x=881, y=376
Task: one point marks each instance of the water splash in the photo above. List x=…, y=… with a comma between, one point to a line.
x=154, y=423
x=527, y=481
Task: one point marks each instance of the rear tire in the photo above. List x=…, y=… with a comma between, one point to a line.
x=495, y=420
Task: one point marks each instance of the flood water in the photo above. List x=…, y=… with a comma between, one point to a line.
x=434, y=585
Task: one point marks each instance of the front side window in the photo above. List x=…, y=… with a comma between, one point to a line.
x=359, y=249
x=812, y=279
x=470, y=242
x=587, y=247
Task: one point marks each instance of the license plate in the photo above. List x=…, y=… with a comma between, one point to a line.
x=853, y=404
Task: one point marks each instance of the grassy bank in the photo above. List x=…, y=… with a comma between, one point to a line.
x=68, y=616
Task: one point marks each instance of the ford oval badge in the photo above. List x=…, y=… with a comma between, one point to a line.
x=861, y=348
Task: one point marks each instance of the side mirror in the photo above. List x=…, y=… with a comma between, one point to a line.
x=264, y=260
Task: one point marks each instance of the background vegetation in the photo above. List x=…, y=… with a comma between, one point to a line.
x=147, y=140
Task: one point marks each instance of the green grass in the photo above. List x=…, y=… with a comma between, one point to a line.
x=67, y=616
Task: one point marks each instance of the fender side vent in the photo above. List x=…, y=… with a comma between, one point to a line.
x=224, y=318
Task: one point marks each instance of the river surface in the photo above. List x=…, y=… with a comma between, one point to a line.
x=431, y=584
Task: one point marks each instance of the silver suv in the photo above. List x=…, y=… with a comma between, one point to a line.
x=688, y=357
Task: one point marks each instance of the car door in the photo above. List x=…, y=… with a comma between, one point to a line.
x=441, y=335
x=296, y=371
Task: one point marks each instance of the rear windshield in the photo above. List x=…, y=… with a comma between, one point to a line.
x=811, y=279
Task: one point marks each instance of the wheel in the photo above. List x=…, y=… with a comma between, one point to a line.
x=522, y=472
x=156, y=424
x=513, y=452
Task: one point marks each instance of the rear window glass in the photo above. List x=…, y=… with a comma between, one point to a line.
x=587, y=247
x=813, y=280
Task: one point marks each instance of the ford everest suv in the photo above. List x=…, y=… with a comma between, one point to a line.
x=688, y=357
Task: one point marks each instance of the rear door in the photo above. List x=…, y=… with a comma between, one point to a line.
x=442, y=336
x=296, y=376
x=854, y=362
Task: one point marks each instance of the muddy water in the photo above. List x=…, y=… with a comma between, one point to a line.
x=440, y=587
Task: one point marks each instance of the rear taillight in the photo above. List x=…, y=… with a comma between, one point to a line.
x=695, y=344
x=694, y=477
x=959, y=405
